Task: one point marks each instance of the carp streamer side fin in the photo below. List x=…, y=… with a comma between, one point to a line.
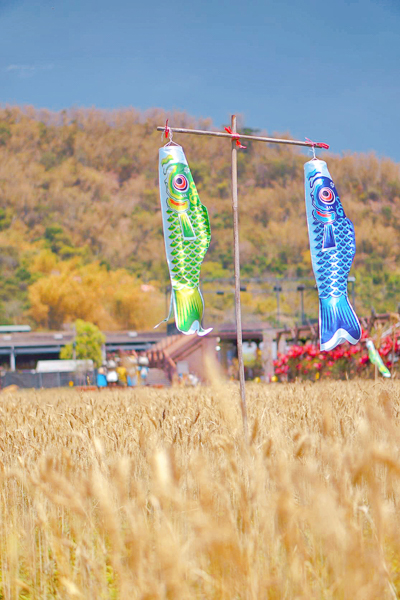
x=329, y=241
x=186, y=226
x=167, y=318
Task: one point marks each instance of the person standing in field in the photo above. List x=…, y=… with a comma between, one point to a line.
x=101, y=378
x=143, y=369
x=131, y=366
x=122, y=375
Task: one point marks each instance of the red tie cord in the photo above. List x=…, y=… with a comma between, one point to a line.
x=235, y=136
x=317, y=144
x=166, y=129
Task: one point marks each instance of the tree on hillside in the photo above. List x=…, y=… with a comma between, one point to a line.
x=88, y=343
x=65, y=291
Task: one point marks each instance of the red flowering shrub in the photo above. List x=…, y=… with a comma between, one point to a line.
x=344, y=361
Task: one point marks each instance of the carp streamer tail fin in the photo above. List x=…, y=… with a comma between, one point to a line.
x=188, y=308
x=338, y=322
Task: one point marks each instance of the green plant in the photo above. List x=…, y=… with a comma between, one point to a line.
x=87, y=344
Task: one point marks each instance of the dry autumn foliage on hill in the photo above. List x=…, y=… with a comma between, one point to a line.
x=79, y=192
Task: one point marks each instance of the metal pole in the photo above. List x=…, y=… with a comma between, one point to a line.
x=167, y=288
x=74, y=342
x=301, y=290
x=278, y=315
x=278, y=289
x=237, y=280
x=12, y=359
x=393, y=349
x=255, y=138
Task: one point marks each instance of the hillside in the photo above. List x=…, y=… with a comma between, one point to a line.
x=81, y=231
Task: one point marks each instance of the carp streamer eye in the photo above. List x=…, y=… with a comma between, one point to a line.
x=326, y=195
x=180, y=183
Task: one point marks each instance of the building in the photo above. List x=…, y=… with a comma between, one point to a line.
x=175, y=355
x=21, y=350
x=216, y=353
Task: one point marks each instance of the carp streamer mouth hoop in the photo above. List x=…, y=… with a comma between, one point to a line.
x=168, y=134
x=312, y=149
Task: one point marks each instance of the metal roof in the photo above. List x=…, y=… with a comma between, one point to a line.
x=14, y=328
x=53, y=341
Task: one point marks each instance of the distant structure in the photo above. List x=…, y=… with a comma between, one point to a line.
x=171, y=356
x=21, y=349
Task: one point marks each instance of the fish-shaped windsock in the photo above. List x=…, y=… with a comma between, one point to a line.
x=187, y=238
x=333, y=245
x=375, y=359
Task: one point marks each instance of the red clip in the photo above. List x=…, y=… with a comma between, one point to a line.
x=166, y=129
x=235, y=136
x=317, y=144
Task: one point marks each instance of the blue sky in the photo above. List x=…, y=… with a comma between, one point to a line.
x=328, y=70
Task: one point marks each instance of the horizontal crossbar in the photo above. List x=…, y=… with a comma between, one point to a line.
x=252, y=138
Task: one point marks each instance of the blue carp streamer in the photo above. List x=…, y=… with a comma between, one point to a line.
x=333, y=246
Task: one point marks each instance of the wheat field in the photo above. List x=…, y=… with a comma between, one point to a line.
x=152, y=494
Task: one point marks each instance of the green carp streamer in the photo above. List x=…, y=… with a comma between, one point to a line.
x=187, y=237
